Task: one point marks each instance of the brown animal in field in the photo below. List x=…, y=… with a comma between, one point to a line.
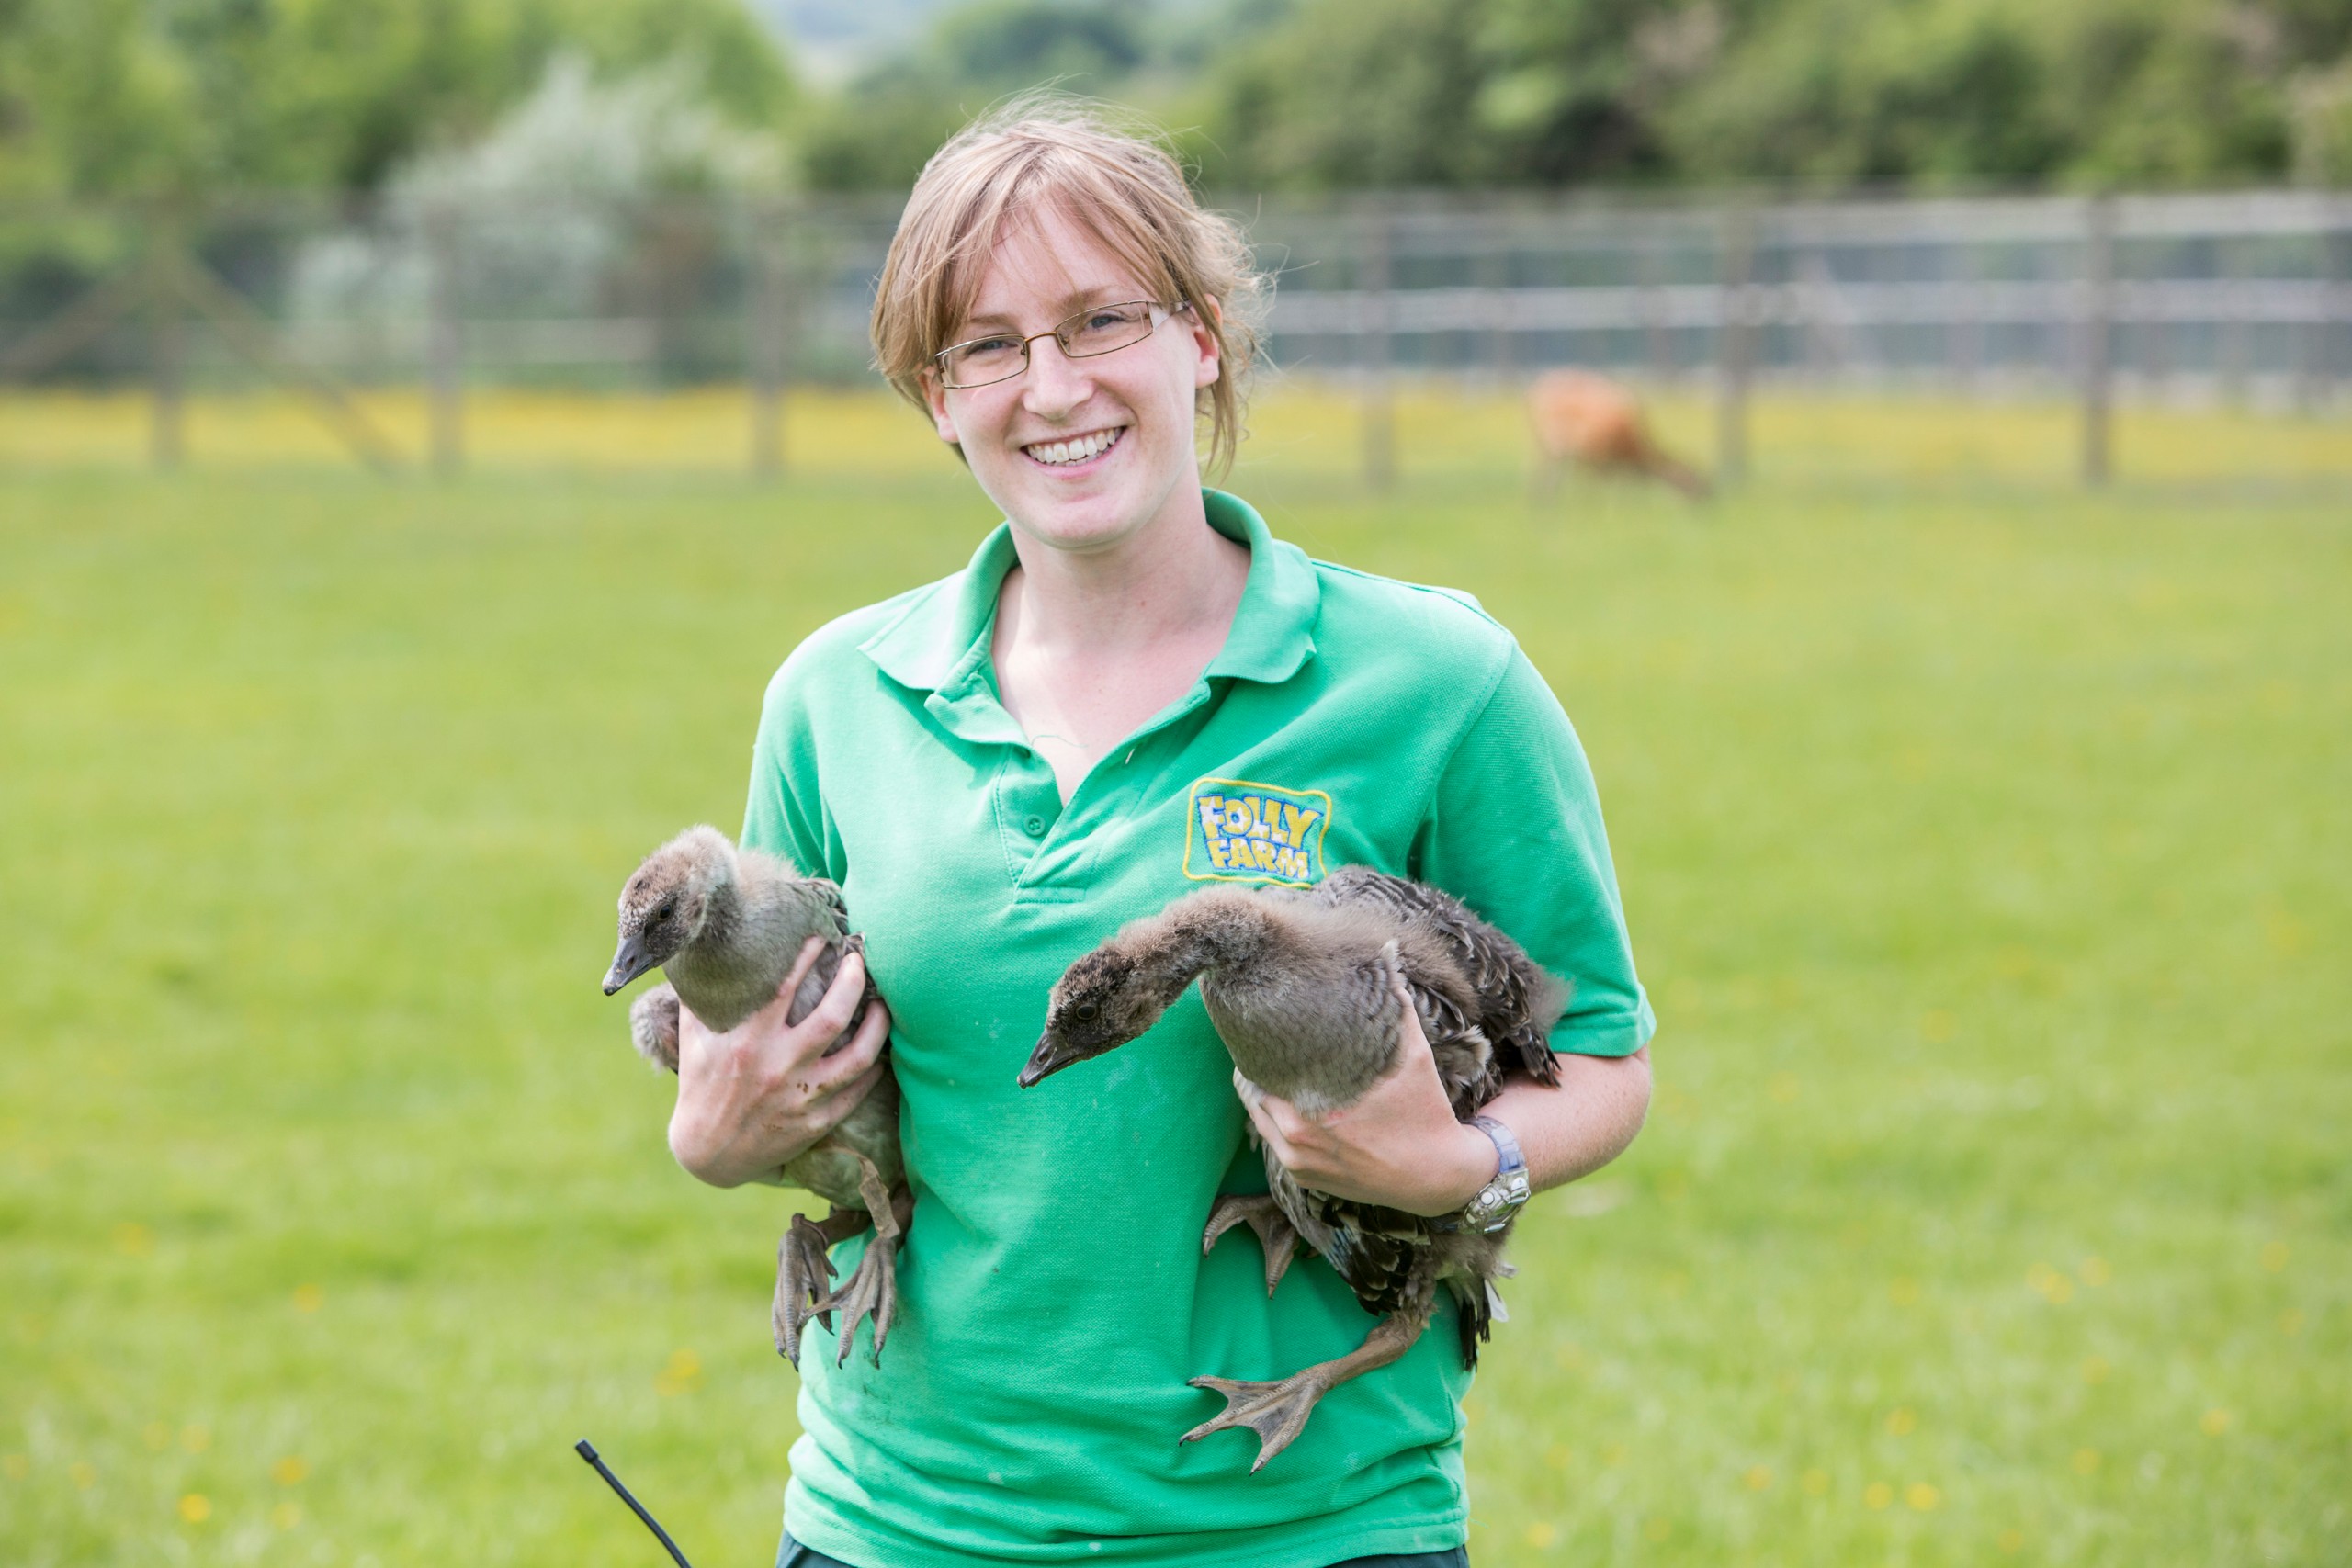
x=1598, y=423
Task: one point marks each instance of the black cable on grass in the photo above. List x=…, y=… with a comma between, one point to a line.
x=587, y=1451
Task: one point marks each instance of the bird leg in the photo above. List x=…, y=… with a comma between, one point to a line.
x=804, y=1275
x=873, y=1288
x=1265, y=1216
x=1277, y=1412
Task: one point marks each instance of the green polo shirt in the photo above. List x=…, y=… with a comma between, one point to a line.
x=1053, y=1297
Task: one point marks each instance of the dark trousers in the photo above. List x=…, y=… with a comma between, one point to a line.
x=794, y=1555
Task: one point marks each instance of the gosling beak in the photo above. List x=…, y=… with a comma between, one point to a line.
x=628, y=964
x=1050, y=1057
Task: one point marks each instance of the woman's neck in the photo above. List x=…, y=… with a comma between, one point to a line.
x=1090, y=644
x=1170, y=580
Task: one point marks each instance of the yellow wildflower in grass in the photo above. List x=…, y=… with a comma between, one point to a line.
x=1559, y=1456
x=1901, y=1422
x=1815, y=1482
x=2095, y=1370
x=158, y=1435
x=309, y=1298
x=133, y=1240
x=1759, y=1477
x=680, y=1375
x=2290, y=1322
x=1659, y=1530
x=1543, y=1533
x=2214, y=1423
x=1784, y=1088
x=1613, y=1454
x=1922, y=1498
x=2011, y=1540
x=2085, y=1461
x=15, y=1467
x=289, y=1471
x=1904, y=1291
x=1939, y=1025
x=196, y=1436
x=285, y=1515
x=1877, y=1495
x=2274, y=1256
x=85, y=1474
x=2094, y=1271
x=196, y=1507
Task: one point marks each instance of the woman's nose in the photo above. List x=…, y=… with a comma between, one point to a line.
x=1056, y=383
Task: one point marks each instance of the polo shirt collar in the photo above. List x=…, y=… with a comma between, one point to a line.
x=940, y=644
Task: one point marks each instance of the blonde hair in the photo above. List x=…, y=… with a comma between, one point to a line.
x=1048, y=152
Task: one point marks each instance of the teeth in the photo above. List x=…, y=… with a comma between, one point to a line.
x=1077, y=451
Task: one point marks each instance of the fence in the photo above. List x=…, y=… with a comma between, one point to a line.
x=2241, y=297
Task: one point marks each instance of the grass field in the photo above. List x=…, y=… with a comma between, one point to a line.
x=1984, y=848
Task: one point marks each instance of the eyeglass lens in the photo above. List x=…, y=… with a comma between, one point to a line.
x=1101, y=329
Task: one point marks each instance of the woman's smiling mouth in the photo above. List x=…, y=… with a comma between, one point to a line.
x=1070, y=451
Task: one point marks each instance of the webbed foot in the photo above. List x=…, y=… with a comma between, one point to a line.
x=873, y=1288
x=1277, y=1412
x=1262, y=1214
x=872, y=1291
x=804, y=1275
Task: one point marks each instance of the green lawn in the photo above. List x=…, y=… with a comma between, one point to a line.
x=1985, y=850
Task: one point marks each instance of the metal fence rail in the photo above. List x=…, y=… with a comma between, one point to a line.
x=2238, y=297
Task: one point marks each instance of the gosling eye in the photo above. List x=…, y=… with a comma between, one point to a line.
x=664, y=912
x=1086, y=1011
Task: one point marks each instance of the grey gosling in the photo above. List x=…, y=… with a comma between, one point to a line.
x=726, y=925
x=1302, y=987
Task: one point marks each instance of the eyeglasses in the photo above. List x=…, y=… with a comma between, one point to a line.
x=1097, y=330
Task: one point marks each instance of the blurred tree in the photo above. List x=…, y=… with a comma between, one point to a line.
x=877, y=134
x=115, y=96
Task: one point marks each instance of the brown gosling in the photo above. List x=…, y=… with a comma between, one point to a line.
x=1302, y=988
x=727, y=925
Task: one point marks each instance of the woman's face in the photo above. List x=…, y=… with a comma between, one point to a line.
x=1139, y=396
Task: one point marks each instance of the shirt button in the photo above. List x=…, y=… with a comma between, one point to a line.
x=1033, y=826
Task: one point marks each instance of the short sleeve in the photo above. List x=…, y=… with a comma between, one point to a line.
x=784, y=814
x=1514, y=830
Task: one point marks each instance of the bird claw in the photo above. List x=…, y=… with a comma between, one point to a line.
x=1262, y=1214
x=1277, y=1412
x=804, y=1277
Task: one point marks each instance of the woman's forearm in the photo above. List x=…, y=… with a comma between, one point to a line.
x=1587, y=1120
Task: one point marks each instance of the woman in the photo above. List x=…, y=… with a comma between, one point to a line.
x=1129, y=683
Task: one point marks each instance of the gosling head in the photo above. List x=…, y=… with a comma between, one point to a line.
x=666, y=901
x=1100, y=1002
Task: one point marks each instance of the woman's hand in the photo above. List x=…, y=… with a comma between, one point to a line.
x=1398, y=1145
x=759, y=1094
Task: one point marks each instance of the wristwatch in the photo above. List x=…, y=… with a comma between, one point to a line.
x=1505, y=1195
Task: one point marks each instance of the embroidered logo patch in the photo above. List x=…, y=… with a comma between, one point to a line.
x=1239, y=831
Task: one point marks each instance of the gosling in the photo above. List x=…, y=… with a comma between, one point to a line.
x=1302, y=985
x=727, y=925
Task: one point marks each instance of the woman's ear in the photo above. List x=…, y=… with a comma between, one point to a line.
x=934, y=396
x=1211, y=366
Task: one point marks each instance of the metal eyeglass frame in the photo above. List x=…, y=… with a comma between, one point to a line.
x=1159, y=314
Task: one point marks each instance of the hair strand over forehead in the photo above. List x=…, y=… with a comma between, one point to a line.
x=1043, y=154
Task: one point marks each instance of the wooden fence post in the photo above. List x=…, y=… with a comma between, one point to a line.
x=1735, y=351
x=1374, y=347
x=445, y=347
x=770, y=290
x=2097, y=330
